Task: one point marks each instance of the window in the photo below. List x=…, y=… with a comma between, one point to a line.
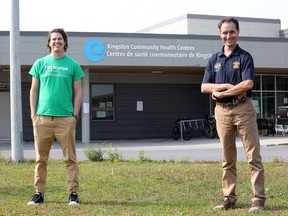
x=282, y=83
x=268, y=83
x=268, y=104
x=257, y=83
x=264, y=95
x=102, y=102
x=257, y=102
x=282, y=98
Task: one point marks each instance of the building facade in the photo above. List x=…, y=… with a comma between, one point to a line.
x=137, y=84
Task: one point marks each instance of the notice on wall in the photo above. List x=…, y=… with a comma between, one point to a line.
x=101, y=114
x=5, y=87
x=86, y=108
x=139, y=106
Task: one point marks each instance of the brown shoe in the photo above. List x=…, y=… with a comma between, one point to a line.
x=257, y=205
x=227, y=203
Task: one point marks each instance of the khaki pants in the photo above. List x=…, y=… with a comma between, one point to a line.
x=240, y=119
x=46, y=129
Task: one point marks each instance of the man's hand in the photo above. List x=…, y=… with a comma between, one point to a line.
x=32, y=116
x=243, y=95
x=216, y=95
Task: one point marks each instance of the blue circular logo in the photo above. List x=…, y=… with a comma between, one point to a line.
x=94, y=50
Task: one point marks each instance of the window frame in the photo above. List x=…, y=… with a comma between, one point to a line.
x=95, y=109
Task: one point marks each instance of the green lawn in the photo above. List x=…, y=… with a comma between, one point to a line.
x=138, y=188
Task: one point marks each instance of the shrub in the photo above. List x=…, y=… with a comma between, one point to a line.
x=115, y=155
x=142, y=156
x=94, y=153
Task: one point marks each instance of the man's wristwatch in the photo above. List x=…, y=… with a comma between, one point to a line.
x=76, y=117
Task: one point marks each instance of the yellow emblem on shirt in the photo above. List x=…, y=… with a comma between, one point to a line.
x=236, y=65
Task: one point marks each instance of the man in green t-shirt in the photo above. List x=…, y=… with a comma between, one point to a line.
x=55, y=101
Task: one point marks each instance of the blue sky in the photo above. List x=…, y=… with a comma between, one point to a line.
x=129, y=15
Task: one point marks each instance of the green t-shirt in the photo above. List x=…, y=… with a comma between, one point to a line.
x=56, y=77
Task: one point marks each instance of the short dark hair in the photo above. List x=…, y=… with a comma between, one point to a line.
x=64, y=35
x=227, y=20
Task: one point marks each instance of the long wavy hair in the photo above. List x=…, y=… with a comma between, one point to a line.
x=64, y=35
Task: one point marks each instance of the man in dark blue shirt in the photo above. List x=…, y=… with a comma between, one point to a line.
x=229, y=77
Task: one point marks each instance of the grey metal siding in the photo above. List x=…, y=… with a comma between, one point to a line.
x=27, y=123
x=162, y=103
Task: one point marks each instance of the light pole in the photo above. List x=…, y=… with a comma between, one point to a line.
x=15, y=86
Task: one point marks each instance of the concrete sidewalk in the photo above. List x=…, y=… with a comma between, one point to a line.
x=158, y=149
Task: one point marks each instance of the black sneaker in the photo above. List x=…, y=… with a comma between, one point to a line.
x=73, y=199
x=36, y=199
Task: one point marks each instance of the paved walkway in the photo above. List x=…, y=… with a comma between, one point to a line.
x=196, y=149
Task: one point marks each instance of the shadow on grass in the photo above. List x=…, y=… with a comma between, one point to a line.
x=241, y=209
x=137, y=203
x=277, y=208
x=268, y=208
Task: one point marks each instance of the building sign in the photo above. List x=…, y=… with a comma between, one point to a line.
x=146, y=50
x=94, y=50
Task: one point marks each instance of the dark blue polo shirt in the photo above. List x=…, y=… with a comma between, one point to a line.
x=237, y=67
